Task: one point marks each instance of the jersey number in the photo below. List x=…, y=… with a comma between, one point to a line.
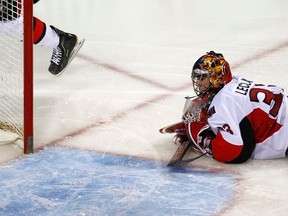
x=268, y=99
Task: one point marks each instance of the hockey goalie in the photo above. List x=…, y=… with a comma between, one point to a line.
x=232, y=119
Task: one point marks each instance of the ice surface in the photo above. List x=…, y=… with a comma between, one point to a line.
x=130, y=79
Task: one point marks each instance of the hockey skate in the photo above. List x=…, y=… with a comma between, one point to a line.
x=68, y=47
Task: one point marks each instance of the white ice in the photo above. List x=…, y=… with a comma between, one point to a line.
x=133, y=72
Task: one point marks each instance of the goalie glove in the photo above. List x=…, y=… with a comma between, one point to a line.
x=200, y=135
x=194, y=111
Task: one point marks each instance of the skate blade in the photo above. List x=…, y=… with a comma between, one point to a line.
x=77, y=47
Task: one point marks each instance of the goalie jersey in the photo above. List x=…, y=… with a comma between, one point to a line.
x=249, y=121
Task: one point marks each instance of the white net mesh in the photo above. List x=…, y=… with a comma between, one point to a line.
x=11, y=66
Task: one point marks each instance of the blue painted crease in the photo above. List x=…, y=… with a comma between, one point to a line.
x=64, y=181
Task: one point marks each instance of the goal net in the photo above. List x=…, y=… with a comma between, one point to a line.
x=16, y=72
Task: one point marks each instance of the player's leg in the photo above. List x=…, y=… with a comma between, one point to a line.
x=44, y=35
x=65, y=45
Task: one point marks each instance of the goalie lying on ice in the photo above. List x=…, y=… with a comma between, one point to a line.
x=232, y=119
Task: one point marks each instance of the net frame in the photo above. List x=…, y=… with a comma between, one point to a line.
x=28, y=76
x=16, y=77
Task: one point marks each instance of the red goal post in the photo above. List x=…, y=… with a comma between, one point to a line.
x=28, y=76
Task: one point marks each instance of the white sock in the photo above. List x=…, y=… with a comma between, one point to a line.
x=50, y=39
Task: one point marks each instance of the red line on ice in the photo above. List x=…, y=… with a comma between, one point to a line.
x=144, y=104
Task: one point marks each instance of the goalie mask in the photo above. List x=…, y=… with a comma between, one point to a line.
x=210, y=73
